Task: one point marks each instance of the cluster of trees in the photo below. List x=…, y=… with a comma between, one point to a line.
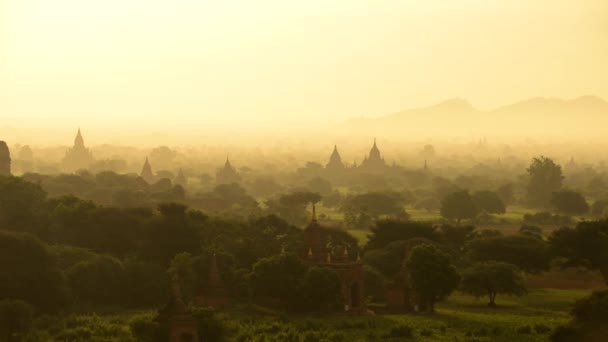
x=62, y=252
x=487, y=263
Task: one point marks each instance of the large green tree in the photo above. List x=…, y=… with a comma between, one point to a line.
x=22, y=205
x=432, y=275
x=492, y=278
x=489, y=202
x=28, y=271
x=544, y=178
x=459, y=205
x=569, y=202
x=586, y=246
x=278, y=277
x=588, y=323
x=528, y=253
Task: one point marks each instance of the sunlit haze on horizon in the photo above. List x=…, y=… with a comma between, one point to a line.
x=126, y=69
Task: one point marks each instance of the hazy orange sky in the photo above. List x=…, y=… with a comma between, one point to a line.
x=210, y=63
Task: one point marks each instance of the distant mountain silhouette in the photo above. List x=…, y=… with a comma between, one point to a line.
x=584, y=116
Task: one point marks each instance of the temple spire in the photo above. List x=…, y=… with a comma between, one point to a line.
x=314, y=212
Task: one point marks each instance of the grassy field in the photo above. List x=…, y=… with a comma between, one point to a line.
x=460, y=318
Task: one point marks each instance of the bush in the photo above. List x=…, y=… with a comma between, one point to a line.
x=210, y=325
x=541, y=329
x=525, y=330
x=145, y=328
x=401, y=331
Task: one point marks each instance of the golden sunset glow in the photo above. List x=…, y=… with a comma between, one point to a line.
x=159, y=64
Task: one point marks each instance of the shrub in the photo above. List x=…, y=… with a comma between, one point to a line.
x=541, y=329
x=526, y=329
x=401, y=331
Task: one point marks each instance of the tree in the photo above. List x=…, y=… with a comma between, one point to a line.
x=22, y=204
x=588, y=322
x=432, y=275
x=528, y=253
x=319, y=185
x=506, y=193
x=29, y=272
x=569, y=202
x=320, y=288
x=492, y=278
x=363, y=209
x=292, y=206
x=278, y=277
x=458, y=205
x=489, y=202
x=586, y=246
x=544, y=178
x=97, y=281
x=386, y=231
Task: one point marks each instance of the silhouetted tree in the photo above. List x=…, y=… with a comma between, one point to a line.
x=529, y=254
x=29, y=272
x=387, y=231
x=588, y=322
x=432, y=275
x=459, y=205
x=490, y=279
x=569, y=202
x=586, y=246
x=489, y=202
x=545, y=177
x=278, y=277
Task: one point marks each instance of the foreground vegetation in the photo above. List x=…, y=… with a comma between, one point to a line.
x=461, y=318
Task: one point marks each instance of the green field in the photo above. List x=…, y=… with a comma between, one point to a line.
x=460, y=318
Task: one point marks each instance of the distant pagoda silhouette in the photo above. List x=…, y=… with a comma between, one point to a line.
x=5, y=159
x=335, y=160
x=146, y=172
x=227, y=174
x=78, y=157
x=374, y=161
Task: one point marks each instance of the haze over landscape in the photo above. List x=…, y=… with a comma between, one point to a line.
x=303, y=171
x=139, y=67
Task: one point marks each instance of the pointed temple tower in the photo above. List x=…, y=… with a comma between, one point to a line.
x=227, y=174
x=399, y=295
x=373, y=162
x=146, y=172
x=215, y=293
x=5, y=159
x=350, y=272
x=177, y=319
x=78, y=157
x=335, y=161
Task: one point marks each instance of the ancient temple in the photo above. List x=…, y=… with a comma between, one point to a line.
x=5, y=159
x=350, y=272
x=335, y=161
x=227, y=174
x=399, y=294
x=176, y=319
x=78, y=157
x=215, y=293
x=146, y=172
x=374, y=161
